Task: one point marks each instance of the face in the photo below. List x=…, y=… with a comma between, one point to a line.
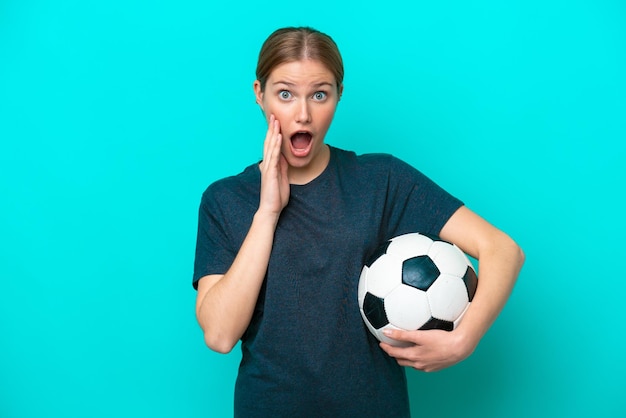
x=303, y=96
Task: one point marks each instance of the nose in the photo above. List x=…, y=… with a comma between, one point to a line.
x=303, y=113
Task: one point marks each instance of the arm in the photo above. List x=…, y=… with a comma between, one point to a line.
x=500, y=260
x=225, y=303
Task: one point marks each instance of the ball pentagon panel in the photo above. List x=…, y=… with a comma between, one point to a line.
x=471, y=282
x=374, y=311
x=419, y=272
x=435, y=323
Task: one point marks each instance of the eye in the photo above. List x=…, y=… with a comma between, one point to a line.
x=319, y=95
x=284, y=94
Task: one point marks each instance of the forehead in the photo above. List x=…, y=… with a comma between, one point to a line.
x=301, y=72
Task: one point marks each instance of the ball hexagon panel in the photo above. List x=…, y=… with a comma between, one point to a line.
x=384, y=275
x=409, y=245
x=407, y=307
x=419, y=272
x=449, y=258
x=447, y=297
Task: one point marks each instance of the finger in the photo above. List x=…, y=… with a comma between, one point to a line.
x=275, y=145
x=399, y=353
x=401, y=335
x=268, y=138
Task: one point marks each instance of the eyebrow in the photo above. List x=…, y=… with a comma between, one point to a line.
x=320, y=84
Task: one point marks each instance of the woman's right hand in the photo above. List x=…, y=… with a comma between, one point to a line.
x=225, y=302
x=274, y=172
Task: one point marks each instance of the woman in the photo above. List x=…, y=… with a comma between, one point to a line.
x=281, y=245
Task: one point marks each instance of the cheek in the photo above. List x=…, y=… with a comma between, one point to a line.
x=269, y=107
x=326, y=115
x=279, y=113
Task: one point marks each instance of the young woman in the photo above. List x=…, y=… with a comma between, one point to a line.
x=281, y=245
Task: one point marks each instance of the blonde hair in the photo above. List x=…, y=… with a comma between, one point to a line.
x=296, y=43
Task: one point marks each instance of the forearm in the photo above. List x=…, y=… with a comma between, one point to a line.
x=500, y=260
x=226, y=305
x=499, y=266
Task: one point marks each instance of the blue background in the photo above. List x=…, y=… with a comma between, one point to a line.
x=115, y=115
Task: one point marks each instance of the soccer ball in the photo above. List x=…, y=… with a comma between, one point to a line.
x=415, y=281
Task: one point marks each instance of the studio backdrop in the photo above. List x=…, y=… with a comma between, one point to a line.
x=116, y=115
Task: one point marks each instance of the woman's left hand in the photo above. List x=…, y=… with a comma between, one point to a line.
x=500, y=260
x=430, y=350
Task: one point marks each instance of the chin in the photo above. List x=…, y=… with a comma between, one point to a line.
x=298, y=162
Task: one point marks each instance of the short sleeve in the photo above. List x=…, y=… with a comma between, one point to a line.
x=213, y=252
x=415, y=203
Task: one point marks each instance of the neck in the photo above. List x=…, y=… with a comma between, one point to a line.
x=308, y=173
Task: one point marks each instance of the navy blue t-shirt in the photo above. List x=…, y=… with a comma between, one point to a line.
x=306, y=351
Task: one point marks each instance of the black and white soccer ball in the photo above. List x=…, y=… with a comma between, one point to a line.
x=415, y=281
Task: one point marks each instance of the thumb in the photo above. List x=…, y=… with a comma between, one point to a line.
x=403, y=335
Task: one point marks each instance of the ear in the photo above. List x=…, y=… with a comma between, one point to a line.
x=258, y=93
x=339, y=92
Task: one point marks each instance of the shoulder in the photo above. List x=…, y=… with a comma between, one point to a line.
x=372, y=162
x=233, y=186
x=351, y=157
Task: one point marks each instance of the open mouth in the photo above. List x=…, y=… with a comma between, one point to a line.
x=301, y=141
